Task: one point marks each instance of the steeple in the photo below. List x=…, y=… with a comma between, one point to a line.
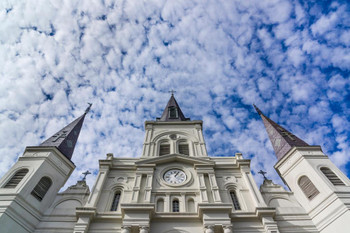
x=172, y=111
x=282, y=140
x=65, y=139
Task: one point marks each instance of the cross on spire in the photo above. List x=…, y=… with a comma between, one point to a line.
x=172, y=92
x=88, y=108
x=85, y=174
x=263, y=174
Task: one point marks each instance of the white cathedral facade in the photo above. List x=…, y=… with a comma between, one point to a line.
x=174, y=187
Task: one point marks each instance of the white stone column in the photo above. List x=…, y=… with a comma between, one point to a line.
x=203, y=188
x=148, y=188
x=183, y=203
x=270, y=225
x=97, y=189
x=214, y=188
x=126, y=229
x=227, y=229
x=136, y=188
x=209, y=229
x=253, y=188
x=144, y=229
x=167, y=204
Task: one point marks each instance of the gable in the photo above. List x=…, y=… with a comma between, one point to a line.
x=175, y=158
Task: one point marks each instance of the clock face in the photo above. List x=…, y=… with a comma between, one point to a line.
x=174, y=176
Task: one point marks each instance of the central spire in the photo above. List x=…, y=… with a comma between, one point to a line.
x=172, y=111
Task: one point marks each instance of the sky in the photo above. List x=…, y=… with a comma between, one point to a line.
x=290, y=58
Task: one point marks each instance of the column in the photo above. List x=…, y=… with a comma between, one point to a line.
x=227, y=229
x=96, y=192
x=148, y=188
x=270, y=225
x=126, y=229
x=209, y=229
x=144, y=229
x=167, y=204
x=136, y=188
x=203, y=188
x=214, y=188
x=183, y=203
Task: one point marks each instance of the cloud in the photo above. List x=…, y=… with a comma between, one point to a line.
x=289, y=58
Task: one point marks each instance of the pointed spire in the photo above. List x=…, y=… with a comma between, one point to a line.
x=282, y=140
x=65, y=139
x=172, y=111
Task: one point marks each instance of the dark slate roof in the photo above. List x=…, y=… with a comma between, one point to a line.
x=166, y=117
x=282, y=140
x=65, y=139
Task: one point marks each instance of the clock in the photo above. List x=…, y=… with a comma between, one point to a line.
x=175, y=176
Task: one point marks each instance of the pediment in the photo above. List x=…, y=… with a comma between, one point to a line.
x=175, y=158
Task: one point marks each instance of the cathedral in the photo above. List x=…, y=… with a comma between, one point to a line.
x=174, y=186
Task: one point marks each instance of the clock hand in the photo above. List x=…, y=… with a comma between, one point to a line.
x=177, y=173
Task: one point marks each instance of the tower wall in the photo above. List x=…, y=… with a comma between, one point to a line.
x=329, y=209
x=19, y=208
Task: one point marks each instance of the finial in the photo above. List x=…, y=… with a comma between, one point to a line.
x=172, y=92
x=263, y=174
x=88, y=108
x=85, y=174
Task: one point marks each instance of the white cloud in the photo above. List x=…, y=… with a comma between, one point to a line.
x=124, y=57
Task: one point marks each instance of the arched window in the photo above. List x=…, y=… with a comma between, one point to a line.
x=160, y=205
x=41, y=188
x=164, y=148
x=16, y=178
x=333, y=178
x=308, y=187
x=190, y=206
x=235, y=200
x=183, y=148
x=176, y=206
x=115, y=202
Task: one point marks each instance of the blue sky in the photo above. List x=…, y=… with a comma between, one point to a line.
x=290, y=58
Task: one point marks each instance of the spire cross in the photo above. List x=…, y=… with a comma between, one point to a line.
x=263, y=174
x=88, y=108
x=172, y=92
x=85, y=174
x=286, y=133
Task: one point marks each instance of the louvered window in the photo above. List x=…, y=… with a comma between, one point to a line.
x=308, y=187
x=176, y=207
x=41, y=188
x=173, y=112
x=164, y=149
x=333, y=178
x=16, y=178
x=115, y=203
x=235, y=200
x=183, y=149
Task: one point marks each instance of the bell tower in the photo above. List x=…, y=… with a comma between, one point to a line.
x=31, y=185
x=173, y=133
x=318, y=185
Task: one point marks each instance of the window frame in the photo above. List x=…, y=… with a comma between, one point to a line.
x=175, y=208
x=171, y=110
x=332, y=177
x=10, y=184
x=164, y=143
x=308, y=188
x=40, y=190
x=234, y=199
x=114, y=207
